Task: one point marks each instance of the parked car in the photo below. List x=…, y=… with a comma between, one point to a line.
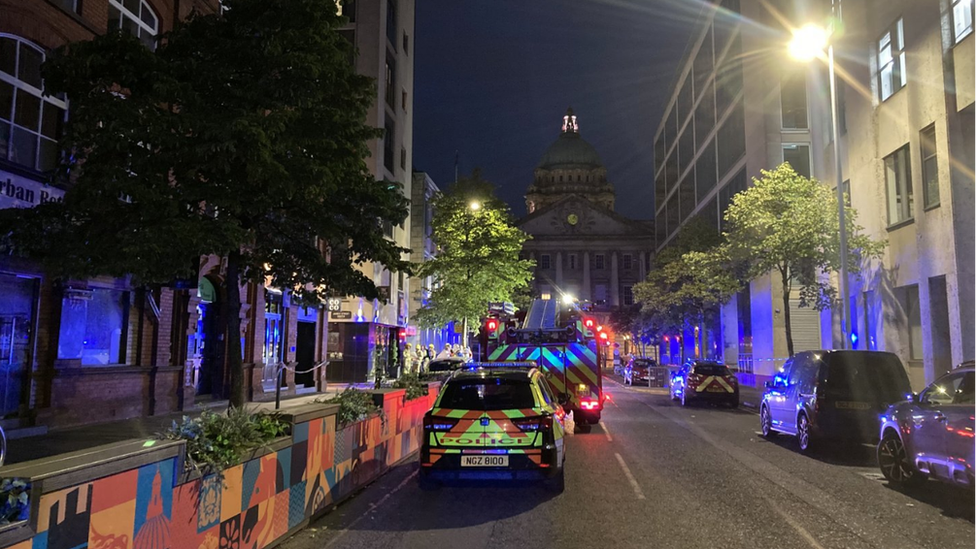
x=638, y=370
x=705, y=380
x=836, y=395
x=931, y=435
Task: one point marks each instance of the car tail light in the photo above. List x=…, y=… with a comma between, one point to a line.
x=439, y=423
x=542, y=423
x=590, y=404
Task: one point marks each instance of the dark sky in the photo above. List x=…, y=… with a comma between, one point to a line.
x=493, y=79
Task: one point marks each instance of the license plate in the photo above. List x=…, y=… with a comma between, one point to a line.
x=484, y=461
x=715, y=390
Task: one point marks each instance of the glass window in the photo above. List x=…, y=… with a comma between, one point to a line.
x=891, y=60
x=571, y=259
x=92, y=325
x=600, y=293
x=659, y=151
x=793, y=100
x=273, y=328
x=628, y=295
x=703, y=61
x=599, y=261
x=799, y=158
x=545, y=262
x=962, y=19
x=134, y=17
x=660, y=190
x=705, y=170
x=731, y=139
x=930, y=167
x=898, y=181
x=390, y=81
x=951, y=389
x=673, y=214
x=686, y=194
x=391, y=22
x=347, y=8
x=389, y=144
x=16, y=320
x=728, y=79
x=685, y=101
x=686, y=147
x=492, y=394
x=705, y=116
x=671, y=171
x=30, y=123
x=628, y=261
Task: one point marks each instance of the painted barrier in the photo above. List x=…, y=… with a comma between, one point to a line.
x=140, y=498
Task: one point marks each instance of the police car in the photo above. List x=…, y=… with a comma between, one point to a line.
x=494, y=421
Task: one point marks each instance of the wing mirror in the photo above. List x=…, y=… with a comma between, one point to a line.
x=915, y=398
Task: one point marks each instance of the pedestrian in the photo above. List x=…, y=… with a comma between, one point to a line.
x=408, y=359
x=446, y=353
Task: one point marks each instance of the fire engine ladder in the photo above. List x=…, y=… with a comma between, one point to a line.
x=542, y=315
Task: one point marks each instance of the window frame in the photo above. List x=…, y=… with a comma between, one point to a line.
x=137, y=19
x=926, y=156
x=545, y=262
x=953, y=4
x=798, y=78
x=44, y=102
x=809, y=166
x=895, y=59
x=904, y=185
x=599, y=262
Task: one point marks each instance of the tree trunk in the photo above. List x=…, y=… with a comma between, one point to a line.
x=234, y=359
x=786, y=311
x=701, y=335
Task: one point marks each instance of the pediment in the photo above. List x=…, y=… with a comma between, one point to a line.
x=575, y=216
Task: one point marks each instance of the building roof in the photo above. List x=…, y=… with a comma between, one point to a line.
x=570, y=151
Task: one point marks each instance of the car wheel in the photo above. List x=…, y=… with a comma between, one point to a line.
x=766, y=423
x=556, y=484
x=803, y=435
x=894, y=463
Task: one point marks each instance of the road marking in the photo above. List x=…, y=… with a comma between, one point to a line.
x=796, y=526
x=630, y=477
x=372, y=507
x=606, y=430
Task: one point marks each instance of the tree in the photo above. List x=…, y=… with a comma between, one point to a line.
x=478, y=255
x=691, y=279
x=788, y=224
x=241, y=135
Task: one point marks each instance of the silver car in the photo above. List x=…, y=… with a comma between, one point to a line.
x=932, y=434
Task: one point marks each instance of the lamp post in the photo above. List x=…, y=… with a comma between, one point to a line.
x=474, y=206
x=809, y=42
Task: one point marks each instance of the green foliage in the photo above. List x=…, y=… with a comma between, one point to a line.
x=216, y=441
x=789, y=224
x=478, y=259
x=691, y=279
x=243, y=135
x=14, y=500
x=354, y=405
x=411, y=382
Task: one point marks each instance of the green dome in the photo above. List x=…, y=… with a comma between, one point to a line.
x=570, y=151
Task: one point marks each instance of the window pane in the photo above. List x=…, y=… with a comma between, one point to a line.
x=793, y=98
x=886, y=82
x=103, y=328
x=705, y=116
x=130, y=26
x=114, y=16
x=685, y=101
x=6, y=100
x=687, y=195
x=799, y=157
x=4, y=139
x=131, y=5
x=705, y=170
x=48, y=156
x=8, y=55
x=29, y=66
x=52, y=122
x=23, y=149
x=686, y=148
x=731, y=140
x=148, y=17
x=28, y=111
x=930, y=167
x=962, y=18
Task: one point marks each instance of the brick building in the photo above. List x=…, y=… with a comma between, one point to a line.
x=93, y=350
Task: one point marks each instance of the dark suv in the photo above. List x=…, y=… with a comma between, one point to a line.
x=931, y=435
x=832, y=395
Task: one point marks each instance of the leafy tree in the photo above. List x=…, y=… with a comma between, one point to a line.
x=478, y=258
x=241, y=135
x=788, y=224
x=640, y=325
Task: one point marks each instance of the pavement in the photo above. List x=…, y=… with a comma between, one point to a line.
x=655, y=474
x=70, y=439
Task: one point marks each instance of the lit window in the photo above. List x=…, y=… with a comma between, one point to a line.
x=930, y=167
x=30, y=123
x=134, y=17
x=898, y=180
x=891, y=60
x=91, y=328
x=962, y=19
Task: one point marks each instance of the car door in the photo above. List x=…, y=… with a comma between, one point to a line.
x=780, y=410
x=930, y=422
x=959, y=430
x=801, y=378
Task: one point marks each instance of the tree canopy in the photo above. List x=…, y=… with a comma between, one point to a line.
x=789, y=224
x=478, y=254
x=243, y=135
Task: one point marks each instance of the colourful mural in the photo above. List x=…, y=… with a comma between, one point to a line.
x=255, y=504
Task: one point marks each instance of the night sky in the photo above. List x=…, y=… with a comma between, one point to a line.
x=493, y=80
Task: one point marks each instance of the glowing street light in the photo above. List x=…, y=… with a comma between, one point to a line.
x=568, y=299
x=809, y=42
x=475, y=206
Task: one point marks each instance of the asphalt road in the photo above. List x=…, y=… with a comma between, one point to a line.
x=654, y=474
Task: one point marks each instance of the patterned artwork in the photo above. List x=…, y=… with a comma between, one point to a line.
x=254, y=505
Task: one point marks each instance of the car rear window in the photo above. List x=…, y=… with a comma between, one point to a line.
x=869, y=377
x=488, y=394
x=443, y=365
x=711, y=369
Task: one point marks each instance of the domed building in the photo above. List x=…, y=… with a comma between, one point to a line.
x=569, y=166
x=581, y=246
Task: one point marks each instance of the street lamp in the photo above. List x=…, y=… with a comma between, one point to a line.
x=808, y=43
x=475, y=206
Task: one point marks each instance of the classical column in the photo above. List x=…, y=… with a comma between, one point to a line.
x=643, y=266
x=585, y=291
x=614, y=280
x=559, y=270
